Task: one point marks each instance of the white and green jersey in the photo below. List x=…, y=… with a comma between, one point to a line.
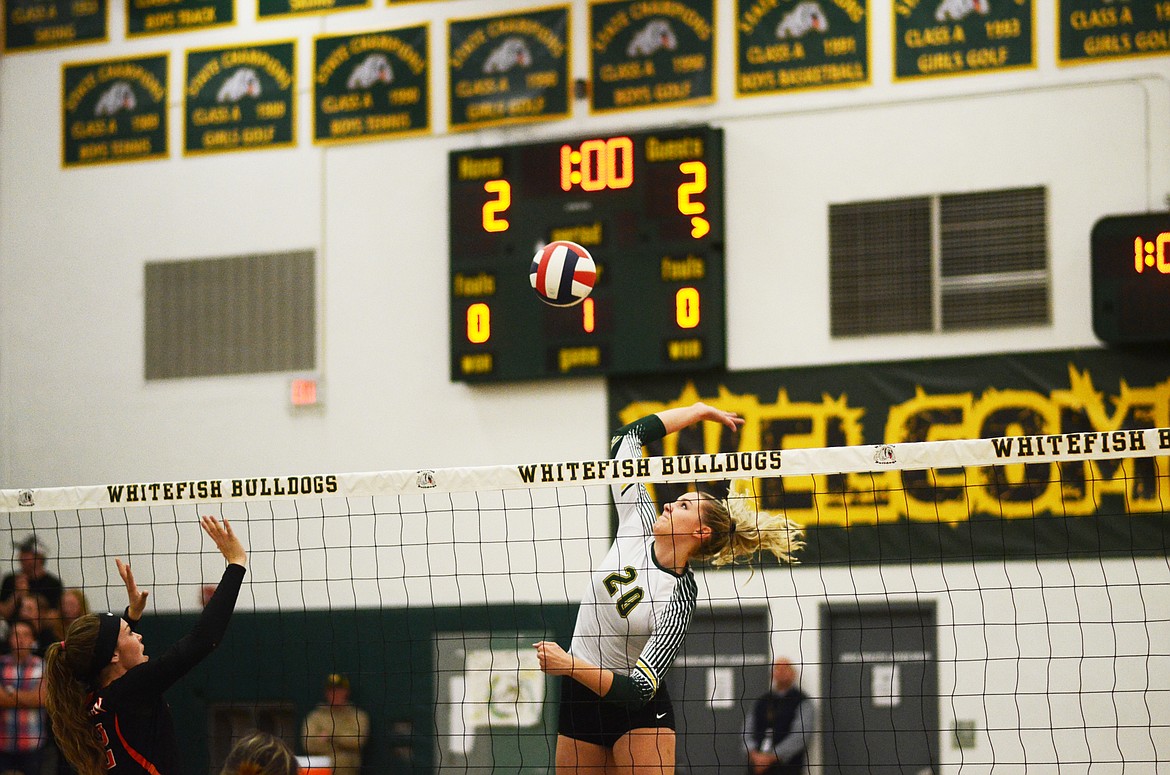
x=635, y=613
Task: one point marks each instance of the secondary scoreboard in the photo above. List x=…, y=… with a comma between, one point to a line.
x=1131, y=279
x=647, y=205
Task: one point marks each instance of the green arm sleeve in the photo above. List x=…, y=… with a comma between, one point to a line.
x=645, y=431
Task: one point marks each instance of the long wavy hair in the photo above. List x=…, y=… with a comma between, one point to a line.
x=740, y=531
x=67, y=696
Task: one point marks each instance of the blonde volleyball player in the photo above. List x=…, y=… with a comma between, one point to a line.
x=615, y=713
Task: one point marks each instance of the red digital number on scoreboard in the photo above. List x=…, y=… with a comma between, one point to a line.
x=597, y=165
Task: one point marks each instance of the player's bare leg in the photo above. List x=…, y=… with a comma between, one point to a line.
x=576, y=756
x=644, y=752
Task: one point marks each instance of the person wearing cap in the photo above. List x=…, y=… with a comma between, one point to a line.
x=100, y=680
x=337, y=728
x=32, y=578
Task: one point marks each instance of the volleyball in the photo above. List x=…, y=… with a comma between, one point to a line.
x=562, y=273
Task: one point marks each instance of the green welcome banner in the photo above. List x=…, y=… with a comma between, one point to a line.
x=800, y=44
x=508, y=69
x=651, y=54
x=114, y=110
x=938, y=38
x=371, y=85
x=152, y=17
x=1106, y=506
x=240, y=98
x=1098, y=30
x=40, y=24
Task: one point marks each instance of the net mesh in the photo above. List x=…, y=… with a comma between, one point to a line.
x=991, y=605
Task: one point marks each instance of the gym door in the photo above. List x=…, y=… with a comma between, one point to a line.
x=723, y=666
x=881, y=681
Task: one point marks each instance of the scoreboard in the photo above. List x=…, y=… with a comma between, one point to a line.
x=647, y=205
x=1131, y=278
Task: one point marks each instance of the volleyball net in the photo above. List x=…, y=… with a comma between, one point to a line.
x=976, y=606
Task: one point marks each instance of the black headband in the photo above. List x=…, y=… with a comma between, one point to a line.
x=109, y=628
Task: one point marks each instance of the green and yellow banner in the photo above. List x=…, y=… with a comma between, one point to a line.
x=1098, y=30
x=271, y=9
x=508, y=69
x=42, y=24
x=785, y=45
x=114, y=110
x=240, y=98
x=153, y=17
x=1026, y=508
x=937, y=38
x=371, y=85
x=651, y=54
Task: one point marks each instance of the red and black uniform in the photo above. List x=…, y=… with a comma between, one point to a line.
x=132, y=719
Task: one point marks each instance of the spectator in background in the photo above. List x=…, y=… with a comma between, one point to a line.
x=337, y=728
x=32, y=577
x=44, y=621
x=23, y=724
x=74, y=605
x=260, y=754
x=781, y=724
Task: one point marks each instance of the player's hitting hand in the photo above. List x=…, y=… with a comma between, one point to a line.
x=712, y=414
x=225, y=540
x=136, y=596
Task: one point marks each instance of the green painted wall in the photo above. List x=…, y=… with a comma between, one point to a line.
x=284, y=656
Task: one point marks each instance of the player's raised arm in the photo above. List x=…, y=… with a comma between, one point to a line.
x=674, y=420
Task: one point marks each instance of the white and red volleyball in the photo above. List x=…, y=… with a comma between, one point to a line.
x=562, y=273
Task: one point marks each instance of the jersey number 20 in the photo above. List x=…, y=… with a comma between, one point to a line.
x=631, y=597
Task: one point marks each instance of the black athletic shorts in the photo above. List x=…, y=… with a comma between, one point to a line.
x=586, y=717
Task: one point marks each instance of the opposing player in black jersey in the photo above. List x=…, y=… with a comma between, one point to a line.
x=105, y=695
x=615, y=713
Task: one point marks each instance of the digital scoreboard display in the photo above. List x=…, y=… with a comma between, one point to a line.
x=649, y=208
x=1131, y=278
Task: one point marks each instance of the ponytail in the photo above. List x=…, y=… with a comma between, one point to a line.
x=739, y=531
x=67, y=696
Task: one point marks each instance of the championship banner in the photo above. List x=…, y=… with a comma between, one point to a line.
x=1099, y=30
x=371, y=85
x=1052, y=403
x=800, y=44
x=272, y=9
x=959, y=37
x=152, y=17
x=240, y=98
x=651, y=54
x=41, y=24
x=508, y=69
x=114, y=110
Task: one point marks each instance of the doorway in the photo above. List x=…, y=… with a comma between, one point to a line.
x=880, y=681
x=724, y=665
